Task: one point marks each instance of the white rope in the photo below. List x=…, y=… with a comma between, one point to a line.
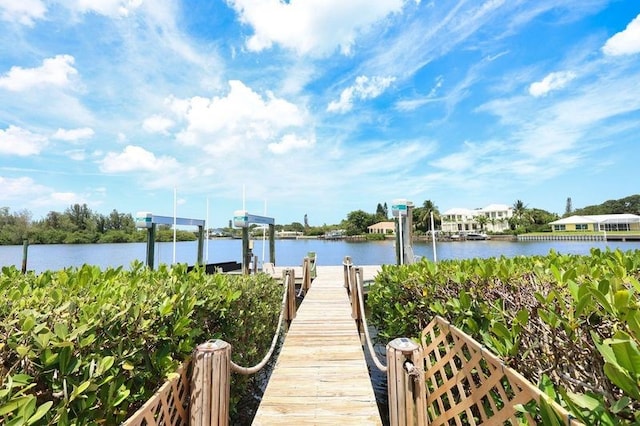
x=251, y=370
x=374, y=356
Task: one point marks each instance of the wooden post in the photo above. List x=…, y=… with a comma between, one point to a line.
x=25, y=251
x=306, y=275
x=151, y=245
x=210, y=384
x=246, y=258
x=405, y=383
x=290, y=312
x=347, y=262
x=272, y=244
x=355, y=299
x=201, y=245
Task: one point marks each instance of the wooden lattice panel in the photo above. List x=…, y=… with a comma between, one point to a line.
x=468, y=385
x=169, y=406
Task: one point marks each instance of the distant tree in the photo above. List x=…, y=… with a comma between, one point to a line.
x=630, y=204
x=482, y=221
x=306, y=221
x=295, y=226
x=358, y=221
x=381, y=212
x=569, y=208
x=422, y=216
x=386, y=210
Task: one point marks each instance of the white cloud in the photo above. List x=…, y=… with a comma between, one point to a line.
x=290, y=142
x=24, y=11
x=311, y=26
x=112, y=8
x=241, y=120
x=134, y=158
x=625, y=42
x=73, y=135
x=364, y=88
x=54, y=71
x=21, y=142
x=19, y=188
x=157, y=124
x=553, y=81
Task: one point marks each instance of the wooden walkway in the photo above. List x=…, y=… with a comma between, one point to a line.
x=321, y=376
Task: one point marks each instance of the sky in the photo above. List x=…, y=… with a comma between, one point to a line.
x=287, y=108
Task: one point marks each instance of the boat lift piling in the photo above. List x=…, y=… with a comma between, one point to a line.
x=242, y=219
x=149, y=221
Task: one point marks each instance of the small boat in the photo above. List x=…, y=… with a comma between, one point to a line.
x=476, y=236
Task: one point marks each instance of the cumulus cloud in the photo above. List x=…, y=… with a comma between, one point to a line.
x=157, y=124
x=240, y=120
x=626, y=42
x=17, y=141
x=364, y=88
x=135, y=158
x=311, y=26
x=112, y=8
x=24, y=12
x=73, y=135
x=553, y=81
x=54, y=71
x=291, y=142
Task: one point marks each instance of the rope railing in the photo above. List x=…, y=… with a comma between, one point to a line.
x=212, y=366
x=358, y=288
x=252, y=370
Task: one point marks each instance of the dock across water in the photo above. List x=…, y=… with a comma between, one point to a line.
x=321, y=376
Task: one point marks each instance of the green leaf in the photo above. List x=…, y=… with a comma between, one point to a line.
x=28, y=323
x=104, y=365
x=40, y=412
x=626, y=352
x=584, y=401
x=79, y=390
x=622, y=379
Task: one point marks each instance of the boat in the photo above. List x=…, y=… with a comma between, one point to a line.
x=475, y=236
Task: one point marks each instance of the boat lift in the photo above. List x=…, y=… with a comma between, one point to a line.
x=242, y=219
x=402, y=211
x=149, y=221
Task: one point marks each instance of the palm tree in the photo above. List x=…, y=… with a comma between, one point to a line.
x=482, y=221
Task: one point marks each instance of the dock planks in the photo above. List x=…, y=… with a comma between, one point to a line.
x=321, y=376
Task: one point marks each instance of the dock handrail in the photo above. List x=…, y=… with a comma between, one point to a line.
x=355, y=285
x=252, y=370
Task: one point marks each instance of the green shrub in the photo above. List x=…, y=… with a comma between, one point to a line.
x=85, y=346
x=573, y=318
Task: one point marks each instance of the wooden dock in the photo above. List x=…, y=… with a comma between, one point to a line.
x=321, y=376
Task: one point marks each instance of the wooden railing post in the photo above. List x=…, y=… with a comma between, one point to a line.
x=405, y=383
x=210, y=384
x=346, y=262
x=306, y=274
x=355, y=272
x=290, y=312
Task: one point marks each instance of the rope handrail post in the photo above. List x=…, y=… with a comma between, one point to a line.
x=210, y=384
x=306, y=274
x=289, y=279
x=347, y=266
x=356, y=314
x=406, y=383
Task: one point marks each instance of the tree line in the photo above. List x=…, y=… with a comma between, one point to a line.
x=78, y=224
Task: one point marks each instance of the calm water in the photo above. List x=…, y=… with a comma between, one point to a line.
x=288, y=252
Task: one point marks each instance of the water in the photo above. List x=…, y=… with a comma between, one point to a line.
x=288, y=252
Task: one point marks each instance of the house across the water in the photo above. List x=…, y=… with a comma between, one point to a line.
x=600, y=222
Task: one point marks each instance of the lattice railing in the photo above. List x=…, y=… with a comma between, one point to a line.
x=169, y=406
x=468, y=385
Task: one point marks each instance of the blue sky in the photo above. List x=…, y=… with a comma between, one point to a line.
x=316, y=107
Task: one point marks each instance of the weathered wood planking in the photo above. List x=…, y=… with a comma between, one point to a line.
x=321, y=377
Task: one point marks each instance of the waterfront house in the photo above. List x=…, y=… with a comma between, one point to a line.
x=600, y=222
x=463, y=220
x=386, y=228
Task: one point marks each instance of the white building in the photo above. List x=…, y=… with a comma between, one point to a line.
x=467, y=220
